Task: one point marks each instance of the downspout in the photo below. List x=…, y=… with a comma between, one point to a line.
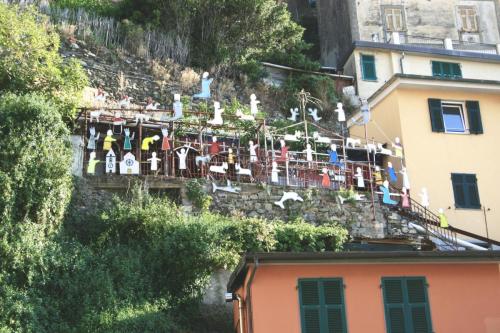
x=249, y=295
x=240, y=312
x=401, y=63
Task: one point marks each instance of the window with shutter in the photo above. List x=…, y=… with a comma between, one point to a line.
x=368, y=70
x=322, y=306
x=474, y=117
x=406, y=305
x=436, y=113
x=465, y=191
x=446, y=69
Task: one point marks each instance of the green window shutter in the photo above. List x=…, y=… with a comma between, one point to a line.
x=334, y=304
x=394, y=305
x=436, y=68
x=368, y=70
x=417, y=299
x=456, y=71
x=472, y=191
x=322, y=306
x=474, y=116
x=310, y=306
x=458, y=189
x=436, y=113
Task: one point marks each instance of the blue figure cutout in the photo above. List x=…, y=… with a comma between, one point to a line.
x=392, y=174
x=205, y=87
x=333, y=156
x=387, y=194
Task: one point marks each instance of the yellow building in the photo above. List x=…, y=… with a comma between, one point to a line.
x=450, y=131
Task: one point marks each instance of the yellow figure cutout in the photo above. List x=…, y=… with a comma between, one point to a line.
x=108, y=140
x=92, y=163
x=443, y=220
x=149, y=140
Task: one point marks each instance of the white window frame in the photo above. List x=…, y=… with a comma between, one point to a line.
x=463, y=113
x=469, y=15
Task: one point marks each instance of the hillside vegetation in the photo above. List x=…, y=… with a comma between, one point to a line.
x=137, y=264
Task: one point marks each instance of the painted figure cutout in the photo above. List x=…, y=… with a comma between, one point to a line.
x=314, y=114
x=91, y=145
x=405, y=199
x=108, y=140
x=253, y=151
x=288, y=196
x=386, y=194
x=152, y=105
x=154, y=162
x=253, y=105
x=217, y=115
x=392, y=174
x=325, y=178
x=424, y=198
x=205, y=87
x=92, y=163
x=165, y=143
x=398, y=148
x=443, y=220
x=146, y=142
x=127, y=142
x=214, y=148
x=125, y=102
x=182, y=157
x=309, y=153
x=406, y=179
x=333, y=157
x=129, y=165
x=359, y=177
x=229, y=188
x=274, y=173
x=178, y=108
x=340, y=111
x=294, y=113
x=243, y=116
x=230, y=156
x=377, y=174
x=284, y=152
x=111, y=162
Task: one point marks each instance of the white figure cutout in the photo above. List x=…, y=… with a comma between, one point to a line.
x=154, y=162
x=424, y=198
x=111, y=162
x=384, y=151
x=352, y=143
x=293, y=137
x=242, y=171
x=294, y=113
x=151, y=104
x=219, y=168
x=182, y=157
x=243, y=116
x=253, y=151
x=178, y=108
x=288, y=196
x=341, y=112
x=371, y=147
x=359, y=177
x=314, y=114
x=406, y=179
x=91, y=145
x=253, y=105
x=141, y=117
x=229, y=188
x=95, y=115
x=217, y=115
x=205, y=87
x=321, y=139
x=309, y=153
x=125, y=102
x=129, y=165
x=274, y=173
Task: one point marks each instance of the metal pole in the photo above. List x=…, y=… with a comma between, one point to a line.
x=486, y=225
x=370, y=173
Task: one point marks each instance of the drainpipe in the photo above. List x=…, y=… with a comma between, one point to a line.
x=240, y=312
x=249, y=295
x=401, y=63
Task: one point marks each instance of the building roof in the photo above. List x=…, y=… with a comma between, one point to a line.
x=433, y=51
x=336, y=258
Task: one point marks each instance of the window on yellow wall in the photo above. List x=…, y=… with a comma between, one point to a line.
x=368, y=70
x=453, y=117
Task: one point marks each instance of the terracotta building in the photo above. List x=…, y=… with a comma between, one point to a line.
x=360, y=292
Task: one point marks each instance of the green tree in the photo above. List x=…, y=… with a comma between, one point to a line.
x=30, y=59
